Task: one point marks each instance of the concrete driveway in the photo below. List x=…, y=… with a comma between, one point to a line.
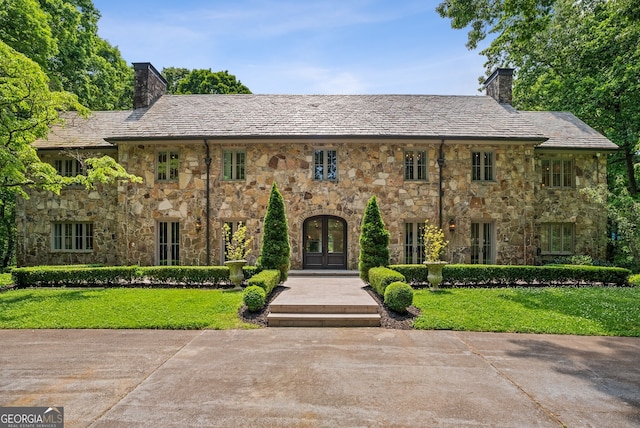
x=366, y=377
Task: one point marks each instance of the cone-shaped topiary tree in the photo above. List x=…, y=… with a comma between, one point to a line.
x=374, y=240
x=276, y=251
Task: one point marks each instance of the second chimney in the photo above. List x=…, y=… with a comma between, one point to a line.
x=499, y=85
x=148, y=85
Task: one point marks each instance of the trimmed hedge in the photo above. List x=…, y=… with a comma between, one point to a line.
x=266, y=279
x=73, y=276
x=90, y=275
x=509, y=276
x=254, y=297
x=381, y=277
x=398, y=296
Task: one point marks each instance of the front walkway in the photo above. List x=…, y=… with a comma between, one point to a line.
x=322, y=299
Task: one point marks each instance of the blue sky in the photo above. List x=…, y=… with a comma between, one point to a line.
x=300, y=46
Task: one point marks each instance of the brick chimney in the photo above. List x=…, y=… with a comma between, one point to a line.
x=499, y=85
x=148, y=85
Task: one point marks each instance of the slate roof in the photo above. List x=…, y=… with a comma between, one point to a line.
x=565, y=131
x=290, y=116
x=201, y=116
x=81, y=133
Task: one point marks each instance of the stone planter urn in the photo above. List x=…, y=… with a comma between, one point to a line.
x=235, y=271
x=435, y=273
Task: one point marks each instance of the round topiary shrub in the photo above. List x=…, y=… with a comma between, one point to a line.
x=254, y=297
x=398, y=296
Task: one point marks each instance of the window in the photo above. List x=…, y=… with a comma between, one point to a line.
x=556, y=238
x=415, y=165
x=72, y=236
x=557, y=173
x=168, y=243
x=233, y=164
x=325, y=165
x=67, y=167
x=413, y=243
x=482, y=166
x=167, y=166
x=482, y=243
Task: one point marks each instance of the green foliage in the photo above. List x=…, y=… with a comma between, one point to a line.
x=414, y=274
x=7, y=227
x=27, y=110
x=206, y=82
x=62, y=37
x=267, y=280
x=121, y=308
x=434, y=242
x=398, y=296
x=276, y=250
x=88, y=276
x=237, y=245
x=608, y=311
x=525, y=276
x=380, y=277
x=374, y=240
x=254, y=297
x=5, y=279
x=634, y=280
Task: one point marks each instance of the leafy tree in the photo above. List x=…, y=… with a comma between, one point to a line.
x=276, y=251
x=207, y=82
x=7, y=227
x=173, y=76
x=24, y=26
x=62, y=37
x=374, y=240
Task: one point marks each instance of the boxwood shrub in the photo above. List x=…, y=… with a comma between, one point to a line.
x=266, y=279
x=254, y=297
x=509, y=276
x=398, y=296
x=73, y=276
x=92, y=275
x=381, y=277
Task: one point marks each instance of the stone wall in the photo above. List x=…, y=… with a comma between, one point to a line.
x=127, y=219
x=34, y=218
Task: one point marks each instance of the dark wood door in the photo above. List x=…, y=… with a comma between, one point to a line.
x=325, y=243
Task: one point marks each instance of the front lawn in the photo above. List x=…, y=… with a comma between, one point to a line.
x=606, y=311
x=153, y=308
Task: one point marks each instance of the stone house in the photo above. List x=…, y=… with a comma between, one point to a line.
x=504, y=185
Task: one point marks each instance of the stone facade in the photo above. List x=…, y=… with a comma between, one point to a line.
x=514, y=202
x=36, y=216
x=511, y=184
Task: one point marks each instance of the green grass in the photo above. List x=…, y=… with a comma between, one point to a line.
x=602, y=311
x=116, y=308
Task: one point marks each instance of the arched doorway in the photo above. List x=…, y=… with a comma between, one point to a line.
x=324, y=243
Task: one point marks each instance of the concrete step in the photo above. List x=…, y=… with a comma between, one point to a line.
x=329, y=273
x=320, y=308
x=323, y=320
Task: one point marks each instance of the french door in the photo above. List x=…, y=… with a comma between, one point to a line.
x=325, y=243
x=482, y=243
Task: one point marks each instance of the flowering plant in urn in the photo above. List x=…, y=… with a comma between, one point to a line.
x=434, y=246
x=236, y=251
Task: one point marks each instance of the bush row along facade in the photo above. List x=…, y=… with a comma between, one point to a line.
x=506, y=186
